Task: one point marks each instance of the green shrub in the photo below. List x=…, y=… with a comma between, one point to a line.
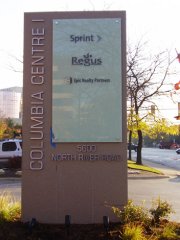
x=169, y=233
x=160, y=209
x=131, y=213
x=10, y=209
x=133, y=232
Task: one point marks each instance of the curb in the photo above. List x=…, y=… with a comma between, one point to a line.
x=10, y=179
x=139, y=177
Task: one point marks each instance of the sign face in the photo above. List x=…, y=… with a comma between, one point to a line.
x=74, y=116
x=87, y=80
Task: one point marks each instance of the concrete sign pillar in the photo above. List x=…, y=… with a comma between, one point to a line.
x=74, y=116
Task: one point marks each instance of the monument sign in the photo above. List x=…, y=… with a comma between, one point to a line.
x=74, y=116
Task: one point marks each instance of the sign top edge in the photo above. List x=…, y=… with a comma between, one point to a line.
x=78, y=14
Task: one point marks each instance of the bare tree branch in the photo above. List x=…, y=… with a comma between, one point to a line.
x=146, y=76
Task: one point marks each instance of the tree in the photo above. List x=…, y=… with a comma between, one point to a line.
x=11, y=129
x=146, y=77
x=132, y=127
x=3, y=127
x=161, y=128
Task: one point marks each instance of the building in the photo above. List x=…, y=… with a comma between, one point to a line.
x=11, y=103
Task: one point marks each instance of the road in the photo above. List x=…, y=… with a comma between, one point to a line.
x=165, y=157
x=168, y=161
x=140, y=190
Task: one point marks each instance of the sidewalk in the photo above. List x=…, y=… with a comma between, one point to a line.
x=171, y=172
x=167, y=172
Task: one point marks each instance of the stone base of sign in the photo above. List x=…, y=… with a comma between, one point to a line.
x=86, y=191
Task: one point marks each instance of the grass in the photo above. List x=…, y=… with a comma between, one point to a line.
x=10, y=209
x=133, y=165
x=133, y=232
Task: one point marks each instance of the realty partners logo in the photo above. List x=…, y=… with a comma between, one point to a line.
x=72, y=80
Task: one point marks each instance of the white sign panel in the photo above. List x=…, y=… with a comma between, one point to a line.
x=87, y=80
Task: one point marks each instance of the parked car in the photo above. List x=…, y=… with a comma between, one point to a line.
x=168, y=145
x=11, y=148
x=132, y=146
x=11, y=153
x=178, y=151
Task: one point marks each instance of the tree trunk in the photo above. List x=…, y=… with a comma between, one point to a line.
x=129, y=142
x=139, y=148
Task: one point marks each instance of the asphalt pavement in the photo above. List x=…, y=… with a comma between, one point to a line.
x=146, y=187
x=171, y=172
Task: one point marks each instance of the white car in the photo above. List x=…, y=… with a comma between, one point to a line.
x=10, y=148
x=178, y=151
